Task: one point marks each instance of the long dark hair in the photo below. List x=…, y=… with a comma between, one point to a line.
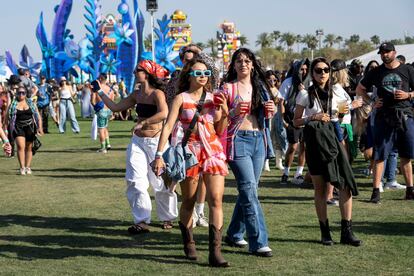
x=315, y=86
x=155, y=82
x=258, y=77
x=184, y=78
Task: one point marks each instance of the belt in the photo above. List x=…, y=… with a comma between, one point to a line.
x=250, y=133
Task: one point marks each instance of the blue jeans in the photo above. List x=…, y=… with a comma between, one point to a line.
x=66, y=109
x=249, y=157
x=390, y=165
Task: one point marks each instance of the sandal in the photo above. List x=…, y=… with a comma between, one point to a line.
x=167, y=225
x=138, y=229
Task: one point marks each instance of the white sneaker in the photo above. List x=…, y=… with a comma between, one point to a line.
x=279, y=164
x=394, y=185
x=266, y=166
x=202, y=221
x=22, y=171
x=241, y=243
x=195, y=218
x=102, y=151
x=28, y=171
x=381, y=187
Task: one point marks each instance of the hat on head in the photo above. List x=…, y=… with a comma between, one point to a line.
x=14, y=79
x=386, y=47
x=337, y=65
x=356, y=62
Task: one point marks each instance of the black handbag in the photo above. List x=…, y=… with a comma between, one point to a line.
x=36, y=145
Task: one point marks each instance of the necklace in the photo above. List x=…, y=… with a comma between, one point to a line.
x=249, y=92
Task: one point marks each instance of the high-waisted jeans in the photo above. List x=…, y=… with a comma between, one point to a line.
x=247, y=165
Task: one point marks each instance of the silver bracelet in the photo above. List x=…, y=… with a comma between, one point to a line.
x=158, y=153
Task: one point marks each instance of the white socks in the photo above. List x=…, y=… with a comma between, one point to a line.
x=286, y=171
x=199, y=208
x=299, y=171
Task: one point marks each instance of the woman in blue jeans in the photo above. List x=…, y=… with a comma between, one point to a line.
x=246, y=92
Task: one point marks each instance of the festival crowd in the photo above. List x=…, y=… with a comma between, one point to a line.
x=193, y=126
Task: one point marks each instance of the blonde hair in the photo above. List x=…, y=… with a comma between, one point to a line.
x=340, y=77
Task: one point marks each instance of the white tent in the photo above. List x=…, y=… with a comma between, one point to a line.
x=406, y=50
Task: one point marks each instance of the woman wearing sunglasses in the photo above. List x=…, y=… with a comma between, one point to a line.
x=194, y=84
x=152, y=110
x=24, y=123
x=326, y=159
x=248, y=141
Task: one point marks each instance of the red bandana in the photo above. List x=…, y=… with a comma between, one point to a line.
x=154, y=69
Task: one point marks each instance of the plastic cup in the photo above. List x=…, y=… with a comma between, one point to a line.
x=268, y=112
x=217, y=99
x=342, y=106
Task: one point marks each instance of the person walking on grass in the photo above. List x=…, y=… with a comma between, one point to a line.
x=152, y=110
x=24, y=123
x=195, y=89
x=394, y=118
x=251, y=106
x=103, y=113
x=326, y=158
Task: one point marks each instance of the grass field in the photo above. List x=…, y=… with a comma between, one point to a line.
x=71, y=216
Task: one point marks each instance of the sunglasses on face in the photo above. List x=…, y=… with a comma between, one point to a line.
x=21, y=93
x=320, y=70
x=138, y=70
x=199, y=73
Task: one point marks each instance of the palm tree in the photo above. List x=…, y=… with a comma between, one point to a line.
x=338, y=40
x=201, y=45
x=288, y=38
x=263, y=40
x=311, y=42
x=212, y=44
x=243, y=40
x=375, y=40
x=275, y=37
x=329, y=40
x=353, y=39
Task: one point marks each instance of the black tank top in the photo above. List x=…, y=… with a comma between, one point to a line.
x=23, y=115
x=146, y=110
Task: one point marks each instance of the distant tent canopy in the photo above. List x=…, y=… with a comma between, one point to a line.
x=406, y=50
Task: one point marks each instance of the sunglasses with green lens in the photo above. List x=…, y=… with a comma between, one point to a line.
x=200, y=73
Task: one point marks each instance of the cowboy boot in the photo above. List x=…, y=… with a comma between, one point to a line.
x=326, y=238
x=188, y=242
x=347, y=236
x=215, y=258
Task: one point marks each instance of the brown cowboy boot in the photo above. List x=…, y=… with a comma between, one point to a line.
x=188, y=241
x=214, y=248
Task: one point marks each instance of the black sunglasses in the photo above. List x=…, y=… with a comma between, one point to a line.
x=320, y=70
x=21, y=93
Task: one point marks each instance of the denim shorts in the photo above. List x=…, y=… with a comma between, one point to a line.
x=387, y=139
x=103, y=118
x=338, y=131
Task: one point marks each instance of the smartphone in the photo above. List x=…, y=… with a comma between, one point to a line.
x=95, y=86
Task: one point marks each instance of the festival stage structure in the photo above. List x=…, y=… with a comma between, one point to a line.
x=180, y=30
x=229, y=40
x=111, y=45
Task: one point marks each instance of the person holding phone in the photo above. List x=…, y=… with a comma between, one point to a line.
x=102, y=112
x=152, y=110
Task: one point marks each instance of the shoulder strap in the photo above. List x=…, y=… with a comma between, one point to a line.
x=194, y=120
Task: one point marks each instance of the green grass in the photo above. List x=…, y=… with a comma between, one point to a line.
x=71, y=216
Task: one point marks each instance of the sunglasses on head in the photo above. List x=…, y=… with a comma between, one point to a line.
x=320, y=70
x=200, y=73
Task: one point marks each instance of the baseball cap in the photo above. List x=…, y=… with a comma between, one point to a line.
x=337, y=65
x=386, y=47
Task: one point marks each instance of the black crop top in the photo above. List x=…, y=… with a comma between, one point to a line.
x=23, y=115
x=146, y=110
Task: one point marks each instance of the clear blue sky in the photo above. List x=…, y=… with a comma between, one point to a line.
x=388, y=19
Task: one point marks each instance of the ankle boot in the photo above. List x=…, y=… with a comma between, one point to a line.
x=215, y=258
x=326, y=238
x=188, y=242
x=347, y=237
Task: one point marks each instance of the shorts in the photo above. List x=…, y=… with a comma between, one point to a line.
x=294, y=135
x=388, y=139
x=26, y=132
x=103, y=118
x=211, y=161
